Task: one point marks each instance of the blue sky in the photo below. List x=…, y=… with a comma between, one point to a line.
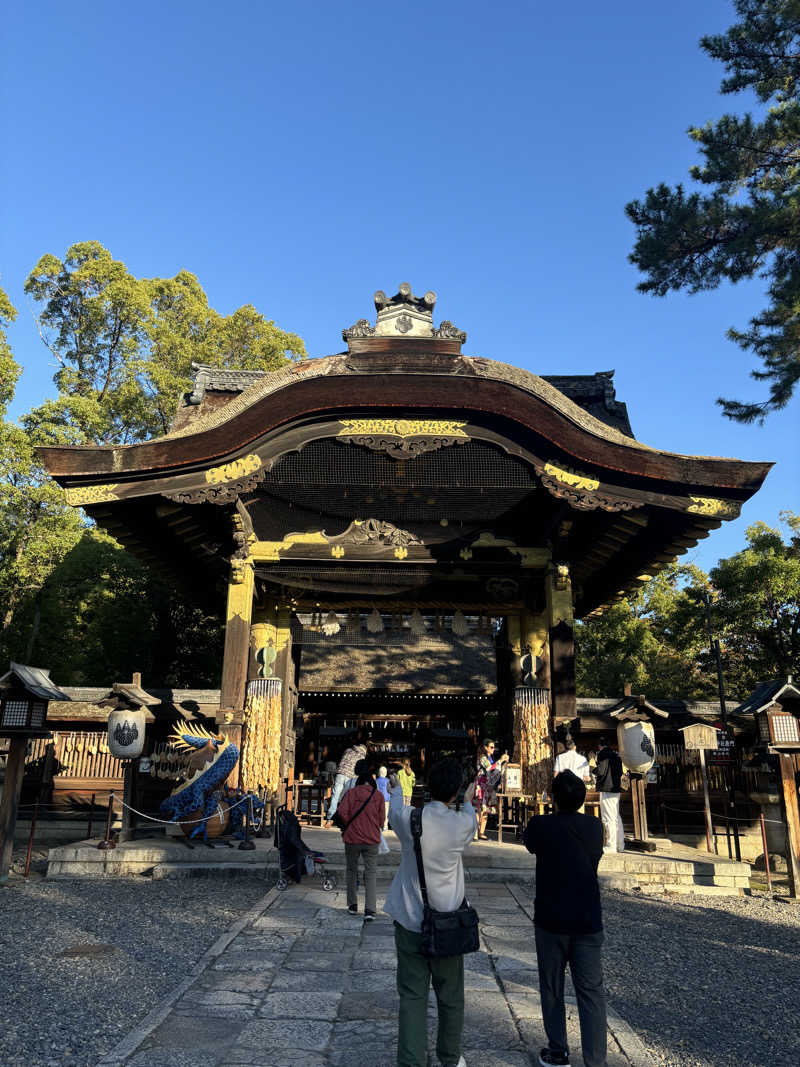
x=300, y=156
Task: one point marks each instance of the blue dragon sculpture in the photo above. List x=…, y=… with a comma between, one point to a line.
x=202, y=805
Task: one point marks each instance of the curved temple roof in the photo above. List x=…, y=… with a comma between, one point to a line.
x=403, y=388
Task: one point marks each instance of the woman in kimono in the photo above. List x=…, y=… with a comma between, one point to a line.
x=490, y=771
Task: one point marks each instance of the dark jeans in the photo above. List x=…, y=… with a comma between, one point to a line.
x=583, y=954
x=414, y=974
x=370, y=856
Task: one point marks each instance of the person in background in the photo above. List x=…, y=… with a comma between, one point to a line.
x=488, y=778
x=446, y=831
x=568, y=921
x=344, y=772
x=362, y=836
x=382, y=783
x=571, y=760
x=608, y=779
x=407, y=780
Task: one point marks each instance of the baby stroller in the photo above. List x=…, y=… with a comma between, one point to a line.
x=295, y=858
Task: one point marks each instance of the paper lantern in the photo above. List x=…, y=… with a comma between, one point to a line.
x=126, y=733
x=637, y=745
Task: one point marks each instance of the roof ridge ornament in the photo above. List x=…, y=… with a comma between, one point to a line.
x=404, y=315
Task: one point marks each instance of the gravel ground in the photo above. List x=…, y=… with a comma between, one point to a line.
x=704, y=981
x=707, y=981
x=65, y=1011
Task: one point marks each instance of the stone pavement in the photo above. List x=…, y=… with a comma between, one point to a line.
x=299, y=982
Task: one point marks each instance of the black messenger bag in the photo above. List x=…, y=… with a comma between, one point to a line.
x=444, y=933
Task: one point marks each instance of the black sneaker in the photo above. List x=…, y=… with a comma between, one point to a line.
x=353, y=909
x=547, y=1058
x=369, y=916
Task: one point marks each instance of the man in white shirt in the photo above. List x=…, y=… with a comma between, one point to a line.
x=446, y=832
x=572, y=760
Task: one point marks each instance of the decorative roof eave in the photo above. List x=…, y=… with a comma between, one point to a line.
x=480, y=385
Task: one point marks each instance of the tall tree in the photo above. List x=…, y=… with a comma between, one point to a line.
x=125, y=345
x=749, y=222
x=652, y=639
x=37, y=528
x=757, y=607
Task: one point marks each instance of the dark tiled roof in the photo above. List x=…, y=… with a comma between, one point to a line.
x=36, y=680
x=595, y=393
x=768, y=693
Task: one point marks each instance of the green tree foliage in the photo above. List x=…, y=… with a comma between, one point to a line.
x=748, y=224
x=71, y=597
x=103, y=615
x=757, y=608
x=37, y=528
x=653, y=639
x=125, y=345
x=658, y=640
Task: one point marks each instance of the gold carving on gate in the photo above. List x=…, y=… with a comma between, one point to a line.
x=404, y=427
x=711, y=505
x=568, y=476
x=403, y=438
x=229, y=472
x=91, y=494
x=270, y=551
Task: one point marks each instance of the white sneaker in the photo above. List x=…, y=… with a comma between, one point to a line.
x=461, y=1063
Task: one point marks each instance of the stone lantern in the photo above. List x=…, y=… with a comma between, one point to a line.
x=24, y=695
x=775, y=706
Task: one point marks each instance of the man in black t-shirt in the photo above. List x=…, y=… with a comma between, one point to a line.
x=568, y=921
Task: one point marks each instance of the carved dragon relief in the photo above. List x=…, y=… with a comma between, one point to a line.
x=403, y=438
x=360, y=532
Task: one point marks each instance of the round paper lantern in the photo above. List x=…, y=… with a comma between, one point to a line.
x=637, y=745
x=126, y=733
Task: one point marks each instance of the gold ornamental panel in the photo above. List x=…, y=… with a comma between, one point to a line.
x=567, y=476
x=229, y=472
x=711, y=505
x=91, y=494
x=403, y=428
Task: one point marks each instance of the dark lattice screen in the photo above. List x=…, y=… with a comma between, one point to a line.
x=326, y=463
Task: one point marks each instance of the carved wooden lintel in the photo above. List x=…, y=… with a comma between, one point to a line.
x=582, y=493
x=217, y=494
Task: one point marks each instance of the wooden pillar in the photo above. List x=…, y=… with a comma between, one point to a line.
x=237, y=640
x=562, y=642
x=786, y=762
x=12, y=788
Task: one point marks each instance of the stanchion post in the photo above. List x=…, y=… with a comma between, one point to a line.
x=247, y=845
x=766, y=852
x=30, y=840
x=108, y=842
x=91, y=818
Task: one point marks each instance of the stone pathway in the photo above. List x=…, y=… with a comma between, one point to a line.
x=299, y=982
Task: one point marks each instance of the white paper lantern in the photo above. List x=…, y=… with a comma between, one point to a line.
x=637, y=745
x=126, y=733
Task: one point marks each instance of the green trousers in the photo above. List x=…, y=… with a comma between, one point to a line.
x=414, y=974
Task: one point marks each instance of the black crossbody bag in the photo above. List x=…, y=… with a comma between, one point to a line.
x=444, y=933
x=339, y=822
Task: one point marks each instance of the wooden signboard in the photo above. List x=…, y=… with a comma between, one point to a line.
x=699, y=735
x=512, y=778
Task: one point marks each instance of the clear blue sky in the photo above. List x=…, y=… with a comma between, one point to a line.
x=300, y=156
